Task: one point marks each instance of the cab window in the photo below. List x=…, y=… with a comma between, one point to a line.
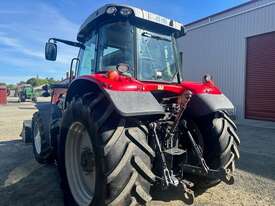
x=87, y=57
x=116, y=46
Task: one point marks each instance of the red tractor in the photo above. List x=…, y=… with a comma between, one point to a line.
x=126, y=121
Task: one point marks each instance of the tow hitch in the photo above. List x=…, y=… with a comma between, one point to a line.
x=169, y=178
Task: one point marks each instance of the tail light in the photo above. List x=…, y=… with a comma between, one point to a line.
x=207, y=79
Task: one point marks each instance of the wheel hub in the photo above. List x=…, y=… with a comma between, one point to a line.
x=87, y=160
x=37, y=141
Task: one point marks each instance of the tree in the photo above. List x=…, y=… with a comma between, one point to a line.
x=51, y=80
x=22, y=82
x=36, y=81
x=11, y=86
x=39, y=81
x=2, y=84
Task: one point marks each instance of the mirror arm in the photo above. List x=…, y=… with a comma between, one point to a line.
x=70, y=43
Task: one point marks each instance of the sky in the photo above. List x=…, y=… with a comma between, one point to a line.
x=25, y=26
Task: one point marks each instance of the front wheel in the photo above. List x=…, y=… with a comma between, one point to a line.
x=103, y=159
x=41, y=148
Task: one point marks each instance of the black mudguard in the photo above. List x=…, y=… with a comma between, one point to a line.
x=204, y=104
x=126, y=103
x=132, y=103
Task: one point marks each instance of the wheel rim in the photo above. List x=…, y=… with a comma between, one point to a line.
x=80, y=164
x=37, y=139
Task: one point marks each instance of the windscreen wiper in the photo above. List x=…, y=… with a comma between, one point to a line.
x=154, y=36
x=176, y=74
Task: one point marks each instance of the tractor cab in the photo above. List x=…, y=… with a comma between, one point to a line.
x=127, y=35
x=138, y=43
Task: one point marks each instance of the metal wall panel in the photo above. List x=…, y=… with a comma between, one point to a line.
x=219, y=49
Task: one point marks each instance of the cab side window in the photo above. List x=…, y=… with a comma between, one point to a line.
x=115, y=46
x=87, y=57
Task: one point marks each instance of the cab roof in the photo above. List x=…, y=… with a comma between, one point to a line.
x=138, y=15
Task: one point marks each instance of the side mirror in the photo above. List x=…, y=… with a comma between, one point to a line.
x=50, y=51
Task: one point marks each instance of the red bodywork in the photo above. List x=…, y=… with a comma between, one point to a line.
x=114, y=81
x=125, y=83
x=58, y=92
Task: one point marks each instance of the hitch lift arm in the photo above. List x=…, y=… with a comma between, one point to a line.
x=222, y=173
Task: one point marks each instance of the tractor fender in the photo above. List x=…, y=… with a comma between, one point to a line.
x=204, y=104
x=126, y=103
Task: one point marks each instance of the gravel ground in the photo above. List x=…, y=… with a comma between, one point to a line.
x=12, y=116
x=25, y=182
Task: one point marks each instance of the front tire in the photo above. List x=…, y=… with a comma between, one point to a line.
x=122, y=157
x=40, y=135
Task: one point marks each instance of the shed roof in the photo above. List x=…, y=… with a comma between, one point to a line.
x=231, y=11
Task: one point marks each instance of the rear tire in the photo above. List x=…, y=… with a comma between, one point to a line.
x=221, y=143
x=122, y=155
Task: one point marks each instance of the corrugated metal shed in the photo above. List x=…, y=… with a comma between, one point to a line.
x=217, y=45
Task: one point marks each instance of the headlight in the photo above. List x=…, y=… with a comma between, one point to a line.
x=125, y=11
x=111, y=10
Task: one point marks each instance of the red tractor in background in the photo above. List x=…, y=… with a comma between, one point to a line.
x=126, y=121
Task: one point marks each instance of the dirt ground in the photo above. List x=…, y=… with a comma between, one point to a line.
x=25, y=182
